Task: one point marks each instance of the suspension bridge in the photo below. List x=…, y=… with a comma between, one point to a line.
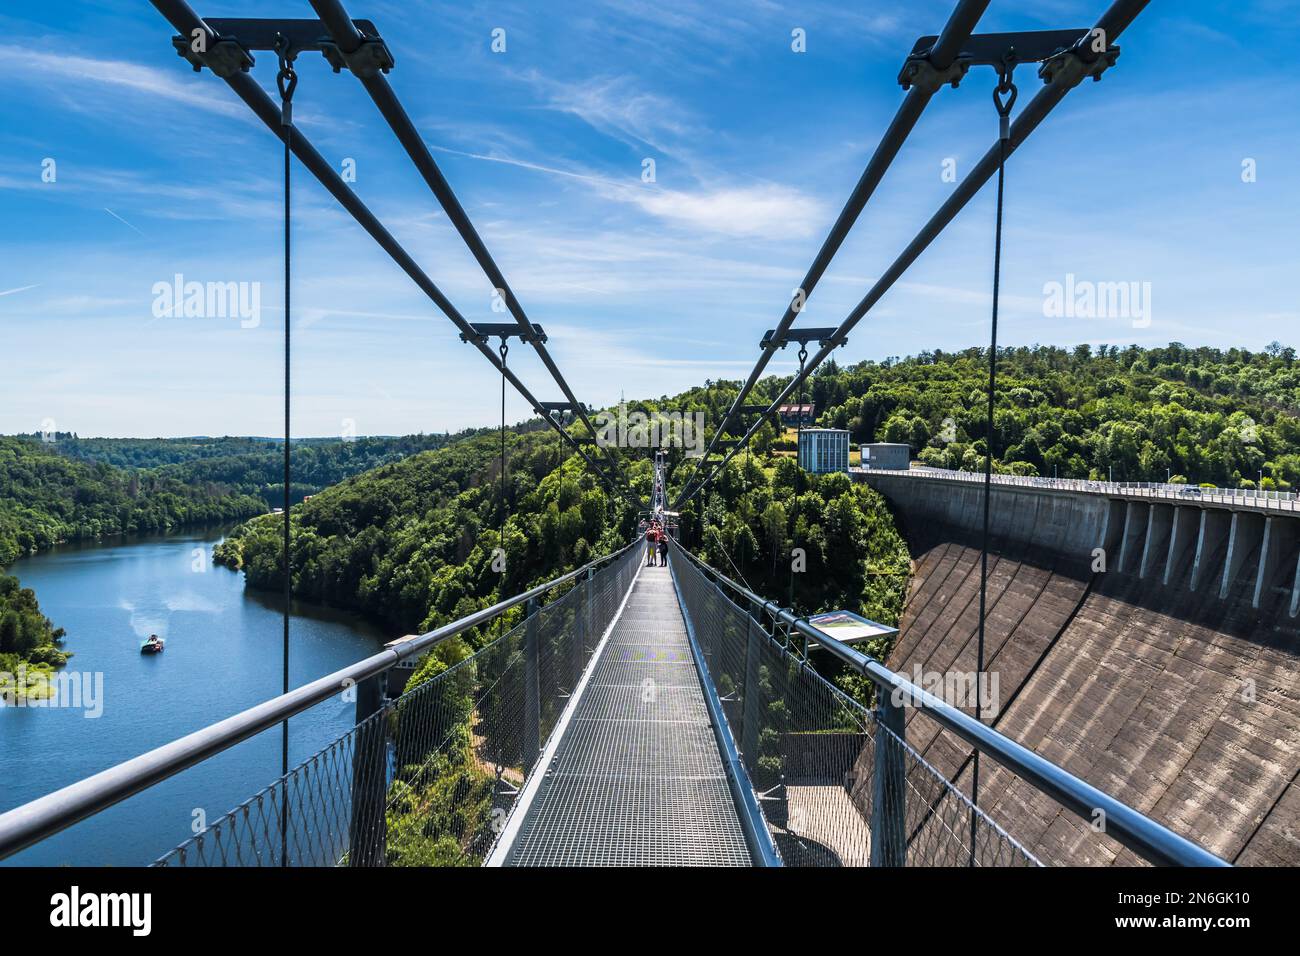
x=638, y=714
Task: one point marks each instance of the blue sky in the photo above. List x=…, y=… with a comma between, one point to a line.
x=643, y=288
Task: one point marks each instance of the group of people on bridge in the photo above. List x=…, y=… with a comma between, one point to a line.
x=656, y=539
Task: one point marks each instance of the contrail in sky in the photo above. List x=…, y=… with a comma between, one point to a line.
x=121, y=220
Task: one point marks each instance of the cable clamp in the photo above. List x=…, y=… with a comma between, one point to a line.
x=218, y=49
x=224, y=56
x=822, y=336
x=920, y=72
x=368, y=60
x=1071, y=67
x=482, y=331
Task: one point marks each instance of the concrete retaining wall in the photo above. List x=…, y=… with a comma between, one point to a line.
x=1194, y=545
x=1166, y=674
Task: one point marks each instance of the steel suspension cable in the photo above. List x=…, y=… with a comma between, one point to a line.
x=1110, y=25
x=349, y=39
x=722, y=546
x=286, y=82
x=504, y=349
x=1004, y=96
x=941, y=57
x=798, y=437
x=186, y=22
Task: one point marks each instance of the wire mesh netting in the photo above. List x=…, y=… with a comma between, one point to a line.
x=429, y=778
x=829, y=775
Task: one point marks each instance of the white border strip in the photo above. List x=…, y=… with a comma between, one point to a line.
x=519, y=812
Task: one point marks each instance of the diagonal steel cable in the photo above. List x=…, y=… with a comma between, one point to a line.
x=348, y=39
x=189, y=24
x=1112, y=23
x=956, y=32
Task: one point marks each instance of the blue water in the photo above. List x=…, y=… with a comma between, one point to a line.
x=223, y=654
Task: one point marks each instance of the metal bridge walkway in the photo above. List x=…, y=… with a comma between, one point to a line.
x=635, y=779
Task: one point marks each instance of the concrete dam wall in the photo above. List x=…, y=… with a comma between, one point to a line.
x=1151, y=647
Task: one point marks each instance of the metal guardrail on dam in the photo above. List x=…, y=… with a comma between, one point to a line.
x=1286, y=501
x=1206, y=539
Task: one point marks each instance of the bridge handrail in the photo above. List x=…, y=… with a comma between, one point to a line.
x=45, y=816
x=1135, y=830
x=748, y=809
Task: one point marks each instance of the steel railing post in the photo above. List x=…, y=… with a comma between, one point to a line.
x=367, y=833
x=889, y=796
x=532, y=686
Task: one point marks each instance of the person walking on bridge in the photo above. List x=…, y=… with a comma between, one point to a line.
x=651, y=541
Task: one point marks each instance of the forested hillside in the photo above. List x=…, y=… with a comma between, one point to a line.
x=252, y=466
x=60, y=487
x=26, y=635
x=46, y=498
x=1199, y=415
x=149, y=452
x=410, y=544
x=757, y=513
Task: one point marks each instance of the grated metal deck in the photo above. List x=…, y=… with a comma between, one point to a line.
x=637, y=779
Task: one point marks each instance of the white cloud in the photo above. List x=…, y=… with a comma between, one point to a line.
x=100, y=74
x=621, y=107
x=525, y=164
x=765, y=211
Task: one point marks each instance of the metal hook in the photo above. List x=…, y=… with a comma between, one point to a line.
x=1004, y=87
x=1004, y=94
x=286, y=81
